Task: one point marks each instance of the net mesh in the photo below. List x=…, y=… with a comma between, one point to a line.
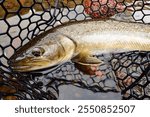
x=22, y=20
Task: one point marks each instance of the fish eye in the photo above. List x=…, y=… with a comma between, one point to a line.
x=38, y=51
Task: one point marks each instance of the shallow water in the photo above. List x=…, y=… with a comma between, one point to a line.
x=70, y=92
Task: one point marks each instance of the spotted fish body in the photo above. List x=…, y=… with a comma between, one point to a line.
x=79, y=42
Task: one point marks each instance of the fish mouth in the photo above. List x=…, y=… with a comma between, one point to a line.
x=29, y=66
x=22, y=68
x=26, y=68
x=26, y=65
x=18, y=67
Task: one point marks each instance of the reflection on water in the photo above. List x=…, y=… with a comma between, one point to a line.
x=70, y=92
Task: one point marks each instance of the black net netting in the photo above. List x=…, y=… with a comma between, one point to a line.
x=21, y=20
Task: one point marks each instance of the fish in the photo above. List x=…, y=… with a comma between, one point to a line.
x=80, y=42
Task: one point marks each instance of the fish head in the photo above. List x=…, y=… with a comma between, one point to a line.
x=43, y=54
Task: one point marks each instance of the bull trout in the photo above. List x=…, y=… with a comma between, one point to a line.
x=79, y=42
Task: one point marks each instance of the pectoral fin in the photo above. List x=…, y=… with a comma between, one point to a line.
x=89, y=69
x=87, y=63
x=86, y=59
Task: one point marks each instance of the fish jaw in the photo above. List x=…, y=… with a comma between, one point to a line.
x=24, y=65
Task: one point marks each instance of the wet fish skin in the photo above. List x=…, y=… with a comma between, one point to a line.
x=79, y=42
